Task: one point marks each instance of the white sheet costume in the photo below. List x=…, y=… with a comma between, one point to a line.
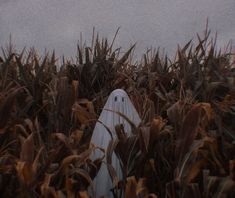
x=118, y=101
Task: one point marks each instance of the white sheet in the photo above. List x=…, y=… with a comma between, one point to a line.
x=118, y=101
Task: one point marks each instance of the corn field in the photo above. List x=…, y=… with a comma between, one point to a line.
x=184, y=146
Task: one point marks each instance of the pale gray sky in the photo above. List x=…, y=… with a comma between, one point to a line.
x=158, y=23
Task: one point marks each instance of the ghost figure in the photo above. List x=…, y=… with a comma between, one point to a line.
x=118, y=101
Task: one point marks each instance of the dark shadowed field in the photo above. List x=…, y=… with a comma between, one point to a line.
x=184, y=147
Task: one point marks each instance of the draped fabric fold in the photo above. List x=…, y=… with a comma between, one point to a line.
x=118, y=101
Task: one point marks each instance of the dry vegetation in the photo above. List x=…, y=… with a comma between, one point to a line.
x=184, y=147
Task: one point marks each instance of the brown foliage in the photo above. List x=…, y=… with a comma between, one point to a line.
x=184, y=146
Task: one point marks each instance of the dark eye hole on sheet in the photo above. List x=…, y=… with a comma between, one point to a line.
x=115, y=99
x=122, y=99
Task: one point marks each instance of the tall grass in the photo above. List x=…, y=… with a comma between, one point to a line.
x=184, y=146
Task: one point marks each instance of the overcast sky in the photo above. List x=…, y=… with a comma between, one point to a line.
x=158, y=23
